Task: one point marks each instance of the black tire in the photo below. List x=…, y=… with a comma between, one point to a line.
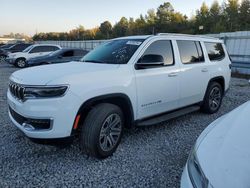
x=96, y=129
x=21, y=63
x=213, y=98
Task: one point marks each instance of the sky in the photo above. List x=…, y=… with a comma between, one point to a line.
x=31, y=16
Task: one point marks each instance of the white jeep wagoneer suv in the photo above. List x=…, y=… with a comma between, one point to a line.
x=138, y=80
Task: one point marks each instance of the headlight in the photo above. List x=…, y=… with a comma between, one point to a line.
x=195, y=172
x=44, y=92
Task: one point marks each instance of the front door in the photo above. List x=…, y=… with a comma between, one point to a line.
x=158, y=89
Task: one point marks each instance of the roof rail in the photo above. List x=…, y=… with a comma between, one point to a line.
x=186, y=35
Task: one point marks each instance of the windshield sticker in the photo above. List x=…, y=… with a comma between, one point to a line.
x=136, y=43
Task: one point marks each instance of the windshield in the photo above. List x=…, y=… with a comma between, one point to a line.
x=7, y=45
x=114, y=52
x=28, y=49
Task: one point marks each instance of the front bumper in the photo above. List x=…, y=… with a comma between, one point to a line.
x=61, y=111
x=10, y=60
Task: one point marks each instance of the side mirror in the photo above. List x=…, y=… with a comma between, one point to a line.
x=150, y=61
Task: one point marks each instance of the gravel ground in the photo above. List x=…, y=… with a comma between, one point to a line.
x=147, y=157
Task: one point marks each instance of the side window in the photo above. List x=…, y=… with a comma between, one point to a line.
x=190, y=51
x=49, y=48
x=215, y=51
x=163, y=48
x=54, y=48
x=68, y=53
x=80, y=52
x=36, y=49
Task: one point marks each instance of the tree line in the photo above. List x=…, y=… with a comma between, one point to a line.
x=231, y=15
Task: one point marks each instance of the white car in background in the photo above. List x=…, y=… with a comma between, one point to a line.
x=19, y=58
x=221, y=155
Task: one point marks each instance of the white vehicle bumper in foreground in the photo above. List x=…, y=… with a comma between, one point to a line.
x=60, y=112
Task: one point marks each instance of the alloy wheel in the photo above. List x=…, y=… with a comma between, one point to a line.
x=110, y=132
x=21, y=63
x=215, y=98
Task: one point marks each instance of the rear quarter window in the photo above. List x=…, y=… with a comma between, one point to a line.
x=80, y=52
x=215, y=51
x=69, y=53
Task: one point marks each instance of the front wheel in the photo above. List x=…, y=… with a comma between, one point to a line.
x=21, y=63
x=102, y=130
x=213, y=98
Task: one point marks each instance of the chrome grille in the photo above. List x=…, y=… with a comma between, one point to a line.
x=17, y=90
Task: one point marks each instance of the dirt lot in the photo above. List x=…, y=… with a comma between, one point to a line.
x=147, y=157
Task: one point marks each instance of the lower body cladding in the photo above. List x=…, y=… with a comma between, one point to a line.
x=49, y=118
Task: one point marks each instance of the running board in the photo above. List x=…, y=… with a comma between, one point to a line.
x=168, y=116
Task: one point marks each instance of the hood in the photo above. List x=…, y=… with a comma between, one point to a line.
x=224, y=153
x=42, y=75
x=16, y=54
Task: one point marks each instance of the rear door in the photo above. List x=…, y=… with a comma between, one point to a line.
x=194, y=72
x=35, y=51
x=158, y=88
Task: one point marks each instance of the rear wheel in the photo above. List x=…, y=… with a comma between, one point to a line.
x=21, y=63
x=213, y=98
x=102, y=130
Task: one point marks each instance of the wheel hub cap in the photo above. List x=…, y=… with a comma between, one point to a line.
x=110, y=132
x=21, y=63
x=215, y=98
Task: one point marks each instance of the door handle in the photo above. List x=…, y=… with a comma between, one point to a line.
x=204, y=70
x=172, y=74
